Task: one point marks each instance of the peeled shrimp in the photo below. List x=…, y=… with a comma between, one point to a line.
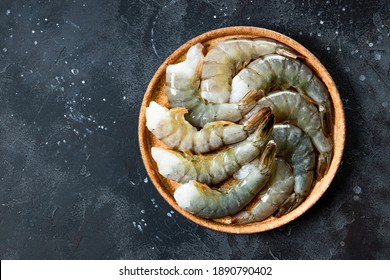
x=226, y=58
x=269, y=199
x=206, y=202
x=283, y=72
x=182, y=88
x=171, y=127
x=294, y=108
x=214, y=168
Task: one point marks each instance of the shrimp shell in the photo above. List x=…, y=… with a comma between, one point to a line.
x=214, y=168
x=223, y=61
x=270, y=198
x=171, y=127
x=206, y=202
x=182, y=88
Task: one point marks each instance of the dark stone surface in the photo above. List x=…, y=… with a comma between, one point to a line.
x=72, y=77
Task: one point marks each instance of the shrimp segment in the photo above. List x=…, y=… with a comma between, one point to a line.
x=182, y=88
x=214, y=168
x=171, y=127
x=225, y=59
x=294, y=108
x=269, y=199
x=284, y=72
x=206, y=202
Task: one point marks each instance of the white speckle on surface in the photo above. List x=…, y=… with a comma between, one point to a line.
x=385, y=104
x=139, y=228
x=8, y=12
x=74, y=71
x=319, y=35
x=378, y=56
x=124, y=97
x=109, y=63
x=248, y=18
x=370, y=44
x=343, y=9
x=146, y=180
x=45, y=19
x=342, y=243
x=142, y=211
x=33, y=31
x=321, y=22
x=362, y=77
x=357, y=190
x=328, y=48
x=83, y=82
x=134, y=224
x=35, y=42
x=169, y=215
x=4, y=49
x=356, y=198
x=104, y=99
x=214, y=16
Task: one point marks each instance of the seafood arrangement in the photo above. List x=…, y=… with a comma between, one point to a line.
x=248, y=131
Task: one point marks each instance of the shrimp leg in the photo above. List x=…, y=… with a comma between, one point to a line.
x=182, y=88
x=206, y=202
x=214, y=168
x=269, y=199
x=171, y=127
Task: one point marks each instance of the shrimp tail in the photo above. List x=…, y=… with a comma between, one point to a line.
x=265, y=127
x=268, y=157
x=323, y=164
x=249, y=101
x=253, y=122
x=325, y=116
x=289, y=204
x=289, y=53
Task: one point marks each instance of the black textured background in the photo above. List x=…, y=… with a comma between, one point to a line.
x=72, y=78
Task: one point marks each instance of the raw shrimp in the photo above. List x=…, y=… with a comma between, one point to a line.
x=283, y=72
x=295, y=146
x=203, y=201
x=182, y=88
x=226, y=58
x=171, y=127
x=214, y=168
x=270, y=198
x=294, y=108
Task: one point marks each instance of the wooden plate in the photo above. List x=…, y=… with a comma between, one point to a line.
x=156, y=92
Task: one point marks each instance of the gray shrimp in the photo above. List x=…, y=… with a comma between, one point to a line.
x=214, y=168
x=226, y=58
x=182, y=88
x=289, y=106
x=270, y=198
x=210, y=203
x=171, y=127
x=283, y=72
x=295, y=146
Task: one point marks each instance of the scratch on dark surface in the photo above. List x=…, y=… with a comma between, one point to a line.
x=59, y=56
x=377, y=73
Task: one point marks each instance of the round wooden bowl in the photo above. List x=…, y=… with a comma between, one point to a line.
x=156, y=92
